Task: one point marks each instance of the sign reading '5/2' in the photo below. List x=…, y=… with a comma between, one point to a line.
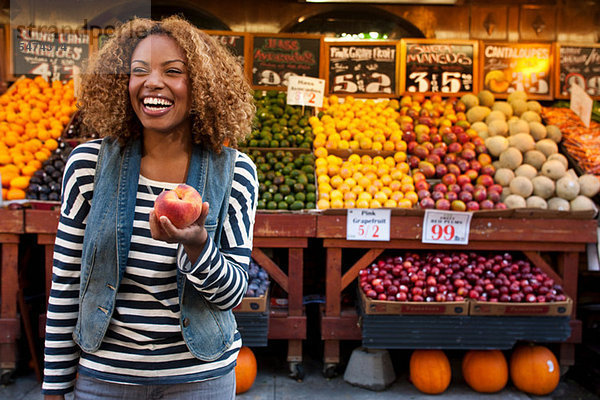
x=367, y=69
x=439, y=66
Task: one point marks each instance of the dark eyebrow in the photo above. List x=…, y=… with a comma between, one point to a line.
x=165, y=63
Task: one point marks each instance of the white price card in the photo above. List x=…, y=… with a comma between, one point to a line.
x=367, y=224
x=446, y=227
x=305, y=91
x=581, y=104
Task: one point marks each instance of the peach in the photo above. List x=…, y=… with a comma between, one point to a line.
x=181, y=205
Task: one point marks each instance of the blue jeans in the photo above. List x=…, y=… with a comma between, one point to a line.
x=222, y=388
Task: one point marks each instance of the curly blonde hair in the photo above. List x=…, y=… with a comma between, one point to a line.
x=221, y=108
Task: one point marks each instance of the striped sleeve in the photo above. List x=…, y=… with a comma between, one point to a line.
x=61, y=354
x=221, y=272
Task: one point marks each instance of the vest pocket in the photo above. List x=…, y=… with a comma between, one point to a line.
x=86, y=272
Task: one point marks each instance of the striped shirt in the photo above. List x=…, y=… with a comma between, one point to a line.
x=144, y=343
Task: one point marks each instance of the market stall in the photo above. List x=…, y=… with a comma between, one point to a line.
x=565, y=239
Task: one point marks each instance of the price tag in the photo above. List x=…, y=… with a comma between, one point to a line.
x=304, y=91
x=446, y=227
x=581, y=104
x=366, y=224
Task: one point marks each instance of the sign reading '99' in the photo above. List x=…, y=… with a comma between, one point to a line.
x=362, y=69
x=511, y=67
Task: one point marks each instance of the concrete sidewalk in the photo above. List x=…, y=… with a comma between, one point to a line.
x=273, y=383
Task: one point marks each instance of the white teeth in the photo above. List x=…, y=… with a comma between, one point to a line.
x=157, y=101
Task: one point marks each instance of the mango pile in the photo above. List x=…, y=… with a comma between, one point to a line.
x=33, y=114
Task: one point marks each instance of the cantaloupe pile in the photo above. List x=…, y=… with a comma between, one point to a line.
x=33, y=114
x=528, y=163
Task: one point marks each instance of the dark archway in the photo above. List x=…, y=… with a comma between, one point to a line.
x=123, y=13
x=354, y=20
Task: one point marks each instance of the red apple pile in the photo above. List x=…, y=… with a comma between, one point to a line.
x=439, y=277
x=441, y=144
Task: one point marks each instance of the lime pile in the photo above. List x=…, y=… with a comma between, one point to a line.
x=286, y=181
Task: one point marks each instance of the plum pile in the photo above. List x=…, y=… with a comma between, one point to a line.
x=45, y=184
x=432, y=277
x=76, y=131
x=258, y=280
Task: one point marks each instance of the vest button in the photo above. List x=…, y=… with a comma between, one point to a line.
x=186, y=322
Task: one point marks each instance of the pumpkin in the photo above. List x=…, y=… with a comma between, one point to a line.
x=485, y=371
x=430, y=371
x=245, y=370
x=534, y=369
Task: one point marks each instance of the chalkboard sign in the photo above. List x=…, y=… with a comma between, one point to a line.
x=365, y=69
x=510, y=67
x=438, y=66
x=235, y=42
x=277, y=57
x=580, y=64
x=50, y=54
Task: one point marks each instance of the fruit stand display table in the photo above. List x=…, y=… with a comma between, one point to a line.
x=290, y=231
x=564, y=237
x=11, y=226
x=271, y=230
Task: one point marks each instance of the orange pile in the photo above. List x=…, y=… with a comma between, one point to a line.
x=33, y=114
x=363, y=181
x=356, y=124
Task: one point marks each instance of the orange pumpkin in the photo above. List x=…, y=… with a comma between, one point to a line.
x=485, y=371
x=534, y=369
x=430, y=371
x=245, y=370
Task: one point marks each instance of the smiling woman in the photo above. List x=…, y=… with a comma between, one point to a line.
x=140, y=305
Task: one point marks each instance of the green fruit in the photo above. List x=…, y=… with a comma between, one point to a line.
x=311, y=178
x=302, y=178
x=290, y=182
x=299, y=187
x=289, y=198
x=311, y=197
x=253, y=143
x=297, y=205
x=267, y=196
x=273, y=189
x=311, y=188
x=261, y=205
x=282, y=205
x=278, y=180
x=262, y=187
x=277, y=197
x=284, y=189
x=309, y=169
x=310, y=205
x=271, y=205
x=284, y=143
x=300, y=196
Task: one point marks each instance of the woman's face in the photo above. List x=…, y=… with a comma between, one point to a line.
x=159, y=87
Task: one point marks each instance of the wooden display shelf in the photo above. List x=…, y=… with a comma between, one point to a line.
x=565, y=237
x=11, y=227
x=291, y=231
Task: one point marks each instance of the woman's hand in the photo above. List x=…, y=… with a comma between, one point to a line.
x=193, y=237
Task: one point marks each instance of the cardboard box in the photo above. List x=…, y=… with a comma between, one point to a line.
x=252, y=304
x=383, y=307
x=556, y=308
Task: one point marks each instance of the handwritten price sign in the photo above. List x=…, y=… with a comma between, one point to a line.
x=446, y=227
x=363, y=224
x=304, y=91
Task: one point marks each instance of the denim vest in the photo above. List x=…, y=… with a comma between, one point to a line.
x=207, y=330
